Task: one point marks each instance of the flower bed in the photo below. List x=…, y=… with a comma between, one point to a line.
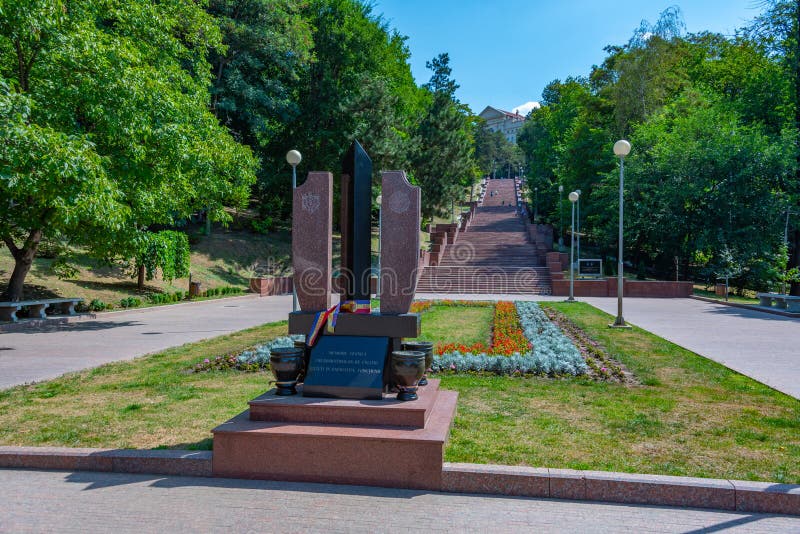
x=551, y=353
x=507, y=335
x=602, y=366
x=251, y=360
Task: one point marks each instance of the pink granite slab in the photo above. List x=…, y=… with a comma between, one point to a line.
x=567, y=484
x=373, y=413
x=166, y=462
x=312, y=225
x=659, y=489
x=496, y=479
x=767, y=497
x=400, y=225
x=339, y=454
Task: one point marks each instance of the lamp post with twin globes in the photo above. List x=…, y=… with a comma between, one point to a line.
x=621, y=149
x=293, y=158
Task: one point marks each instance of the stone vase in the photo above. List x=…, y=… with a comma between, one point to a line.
x=408, y=366
x=286, y=364
x=427, y=348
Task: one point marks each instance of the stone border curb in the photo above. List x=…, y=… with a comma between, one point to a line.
x=762, y=497
x=520, y=481
x=752, y=307
x=160, y=462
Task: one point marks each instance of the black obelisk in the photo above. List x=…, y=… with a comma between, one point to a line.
x=356, y=225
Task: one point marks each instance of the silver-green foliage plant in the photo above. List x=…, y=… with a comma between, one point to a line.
x=552, y=353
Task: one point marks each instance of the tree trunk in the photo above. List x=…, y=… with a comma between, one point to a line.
x=140, y=281
x=23, y=261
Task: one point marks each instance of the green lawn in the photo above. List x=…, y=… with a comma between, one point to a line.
x=731, y=297
x=690, y=416
x=458, y=324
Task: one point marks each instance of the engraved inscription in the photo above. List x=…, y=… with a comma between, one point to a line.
x=399, y=202
x=310, y=202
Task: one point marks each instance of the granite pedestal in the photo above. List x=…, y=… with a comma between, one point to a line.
x=376, y=443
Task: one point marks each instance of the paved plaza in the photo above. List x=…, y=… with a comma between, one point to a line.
x=52, y=501
x=41, y=353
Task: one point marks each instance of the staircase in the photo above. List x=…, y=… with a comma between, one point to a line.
x=493, y=255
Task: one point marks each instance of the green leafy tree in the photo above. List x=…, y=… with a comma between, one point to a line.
x=115, y=95
x=443, y=164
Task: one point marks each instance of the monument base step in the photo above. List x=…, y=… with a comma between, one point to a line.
x=389, y=456
x=386, y=412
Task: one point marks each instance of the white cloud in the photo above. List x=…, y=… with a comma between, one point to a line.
x=526, y=108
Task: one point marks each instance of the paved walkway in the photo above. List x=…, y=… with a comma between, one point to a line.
x=46, y=352
x=763, y=346
x=51, y=501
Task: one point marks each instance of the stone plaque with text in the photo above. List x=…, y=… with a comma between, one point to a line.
x=593, y=268
x=347, y=367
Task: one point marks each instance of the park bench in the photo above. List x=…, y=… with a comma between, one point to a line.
x=36, y=308
x=777, y=300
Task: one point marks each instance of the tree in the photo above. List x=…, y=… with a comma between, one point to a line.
x=358, y=63
x=443, y=165
x=113, y=96
x=778, y=29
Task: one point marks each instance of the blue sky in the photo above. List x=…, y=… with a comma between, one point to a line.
x=504, y=52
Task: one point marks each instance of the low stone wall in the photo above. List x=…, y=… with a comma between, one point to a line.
x=266, y=287
x=607, y=287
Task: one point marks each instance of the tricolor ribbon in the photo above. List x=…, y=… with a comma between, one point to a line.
x=322, y=318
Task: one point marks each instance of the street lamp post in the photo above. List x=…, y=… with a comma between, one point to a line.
x=578, y=225
x=789, y=211
x=536, y=205
x=293, y=158
x=573, y=198
x=621, y=149
x=560, y=219
x=380, y=234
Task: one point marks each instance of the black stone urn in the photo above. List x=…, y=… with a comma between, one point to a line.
x=306, y=356
x=408, y=366
x=427, y=348
x=286, y=364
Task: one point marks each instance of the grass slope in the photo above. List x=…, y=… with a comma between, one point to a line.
x=226, y=258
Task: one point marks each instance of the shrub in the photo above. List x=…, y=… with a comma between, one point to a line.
x=130, y=302
x=97, y=305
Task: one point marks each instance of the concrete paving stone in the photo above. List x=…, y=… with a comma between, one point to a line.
x=57, y=501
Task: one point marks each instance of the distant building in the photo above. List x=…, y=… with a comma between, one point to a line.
x=509, y=124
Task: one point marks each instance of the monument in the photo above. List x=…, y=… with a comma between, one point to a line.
x=348, y=423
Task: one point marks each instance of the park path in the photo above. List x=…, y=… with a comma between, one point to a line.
x=52, y=501
x=41, y=353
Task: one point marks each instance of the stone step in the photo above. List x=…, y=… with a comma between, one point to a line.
x=376, y=413
x=387, y=456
